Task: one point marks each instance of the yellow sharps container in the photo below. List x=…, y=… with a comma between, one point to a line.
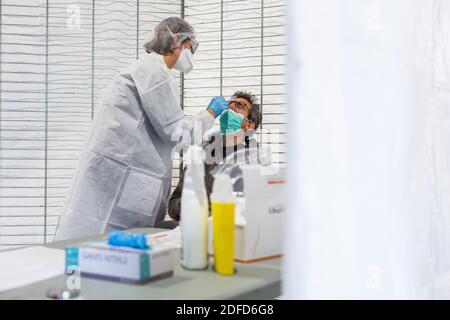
x=223, y=209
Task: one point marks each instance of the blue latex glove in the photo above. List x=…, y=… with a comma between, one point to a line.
x=218, y=105
x=123, y=239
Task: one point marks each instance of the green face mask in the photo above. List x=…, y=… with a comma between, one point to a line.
x=230, y=121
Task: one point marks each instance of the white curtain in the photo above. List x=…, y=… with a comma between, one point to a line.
x=369, y=150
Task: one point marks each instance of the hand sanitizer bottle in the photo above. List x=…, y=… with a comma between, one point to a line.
x=194, y=213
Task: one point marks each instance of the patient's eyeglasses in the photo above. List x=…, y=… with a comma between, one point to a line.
x=239, y=105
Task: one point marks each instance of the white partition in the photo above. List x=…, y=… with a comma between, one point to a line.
x=369, y=141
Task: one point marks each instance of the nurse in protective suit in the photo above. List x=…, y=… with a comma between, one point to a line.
x=123, y=177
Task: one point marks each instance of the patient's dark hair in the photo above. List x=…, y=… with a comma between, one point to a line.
x=255, y=114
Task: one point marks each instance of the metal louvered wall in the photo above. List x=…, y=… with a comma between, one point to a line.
x=242, y=47
x=56, y=58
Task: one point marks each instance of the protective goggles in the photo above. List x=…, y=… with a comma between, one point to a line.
x=194, y=44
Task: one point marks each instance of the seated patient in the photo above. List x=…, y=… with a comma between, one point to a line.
x=225, y=142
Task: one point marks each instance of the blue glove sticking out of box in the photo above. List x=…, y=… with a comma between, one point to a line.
x=124, y=239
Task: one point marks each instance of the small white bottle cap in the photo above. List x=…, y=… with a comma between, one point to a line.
x=222, y=189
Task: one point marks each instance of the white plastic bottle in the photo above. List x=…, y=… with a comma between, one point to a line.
x=194, y=214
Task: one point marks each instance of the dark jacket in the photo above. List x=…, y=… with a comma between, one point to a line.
x=215, y=144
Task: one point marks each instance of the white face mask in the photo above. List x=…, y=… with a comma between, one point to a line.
x=185, y=61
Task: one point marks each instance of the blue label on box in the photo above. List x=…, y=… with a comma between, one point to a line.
x=145, y=266
x=72, y=259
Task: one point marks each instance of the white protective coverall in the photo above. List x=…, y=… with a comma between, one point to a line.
x=124, y=173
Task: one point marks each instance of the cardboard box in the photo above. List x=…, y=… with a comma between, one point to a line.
x=122, y=264
x=258, y=229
